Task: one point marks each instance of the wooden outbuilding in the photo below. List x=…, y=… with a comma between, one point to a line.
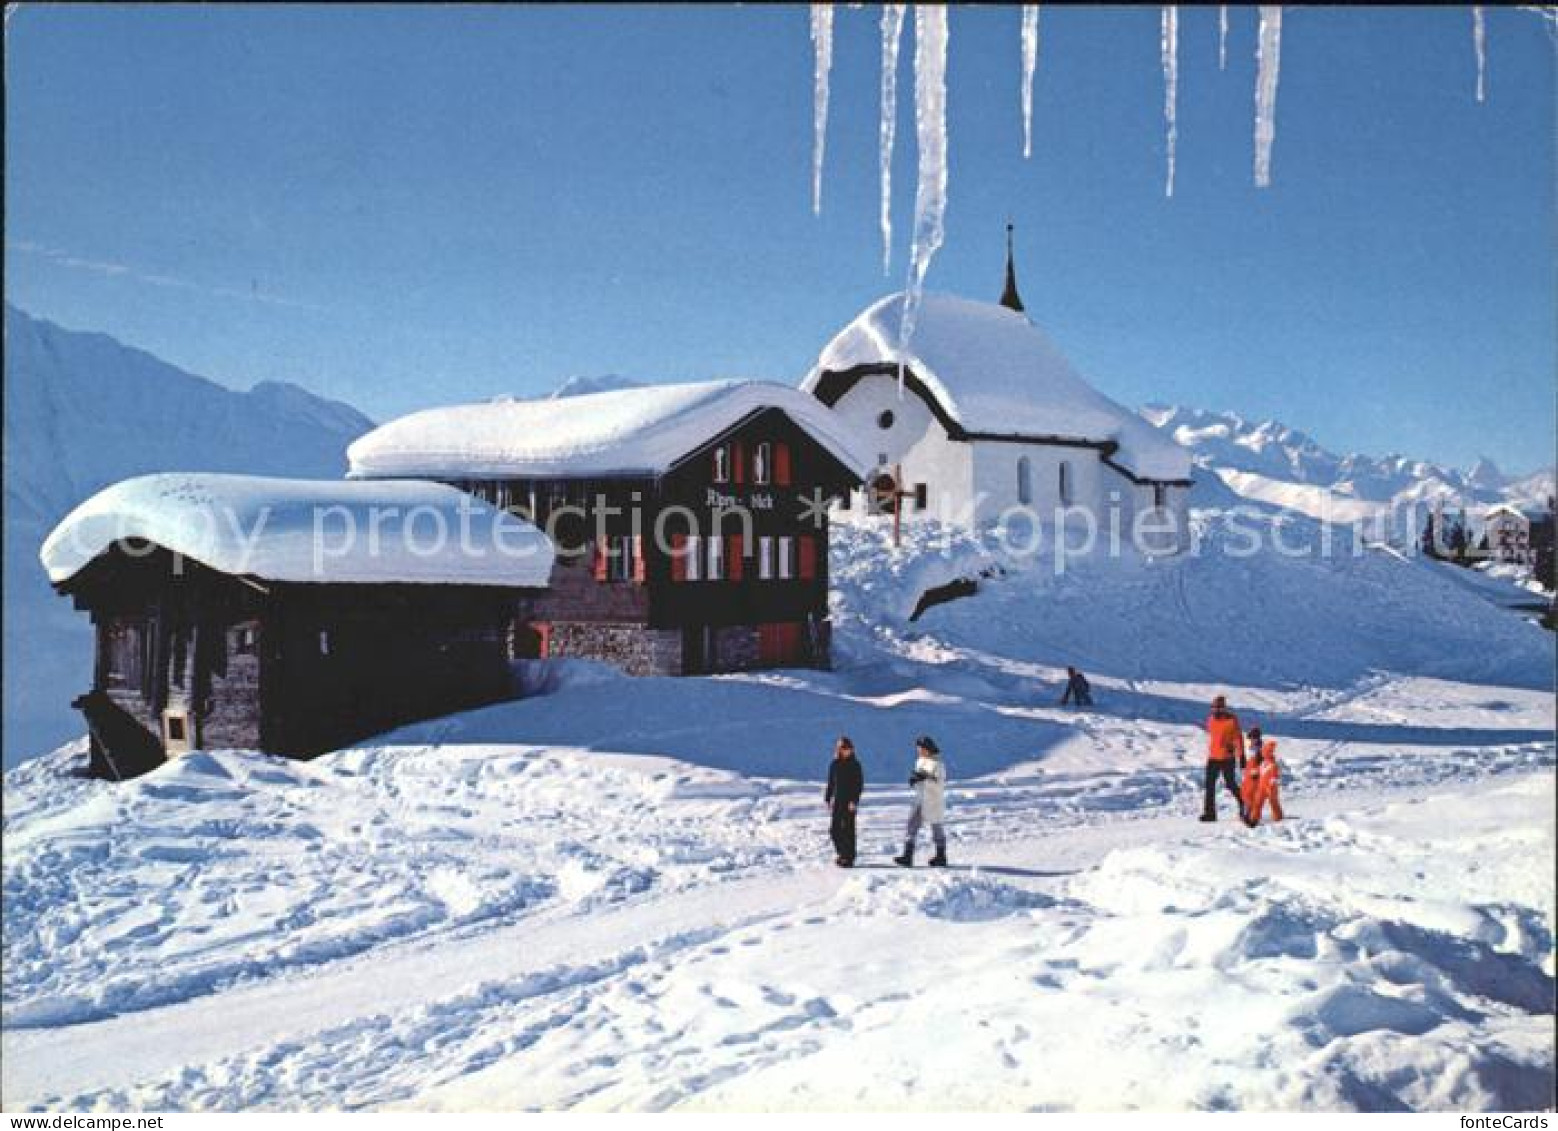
x=288, y=616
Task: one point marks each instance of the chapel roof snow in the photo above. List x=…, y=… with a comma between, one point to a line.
x=636, y=431
x=304, y=530
x=995, y=373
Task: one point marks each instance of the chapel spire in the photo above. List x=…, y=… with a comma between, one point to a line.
x=1009, y=297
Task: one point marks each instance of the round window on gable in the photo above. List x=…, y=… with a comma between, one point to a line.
x=885, y=420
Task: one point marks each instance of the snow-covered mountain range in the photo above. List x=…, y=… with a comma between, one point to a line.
x=84, y=410
x=1270, y=463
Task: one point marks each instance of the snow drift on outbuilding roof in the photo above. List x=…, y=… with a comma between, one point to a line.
x=304, y=530
x=640, y=431
x=995, y=372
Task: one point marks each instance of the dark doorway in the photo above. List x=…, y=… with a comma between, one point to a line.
x=699, y=654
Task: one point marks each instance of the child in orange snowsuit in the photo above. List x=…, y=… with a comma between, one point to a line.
x=1261, y=777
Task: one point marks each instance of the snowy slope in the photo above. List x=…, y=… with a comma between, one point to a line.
x=1271, y=463
x=617, y=894
x=83, y=411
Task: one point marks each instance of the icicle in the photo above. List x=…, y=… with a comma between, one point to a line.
x=1030, y=62
x=822, y=54
x=1479, y=44
x=1171, y=87
x=892, y=35
x=930, y=120
x=1268, y=62
x=1222, y=37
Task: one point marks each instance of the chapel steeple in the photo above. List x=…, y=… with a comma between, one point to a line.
x=1009, y=297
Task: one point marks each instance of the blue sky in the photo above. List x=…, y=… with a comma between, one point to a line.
x=404, y=206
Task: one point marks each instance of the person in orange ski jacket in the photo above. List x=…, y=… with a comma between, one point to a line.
x=1225, y=744
x=1249, y=785
x=1267, y=781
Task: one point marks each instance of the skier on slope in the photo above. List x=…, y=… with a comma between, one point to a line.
x=846, y=782
x=1267, y=779
x=1225, y=743
x=929, y=782
x=1077, y=689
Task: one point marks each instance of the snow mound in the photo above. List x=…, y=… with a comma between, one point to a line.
x=631, y=431
x=994, y=372
x=300, y=530
x=950, y=896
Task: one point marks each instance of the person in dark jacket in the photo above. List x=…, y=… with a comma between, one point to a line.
x=846, y=782
x=1077, y=689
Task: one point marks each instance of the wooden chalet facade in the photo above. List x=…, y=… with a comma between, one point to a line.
x=702, y=551
x=192, y=655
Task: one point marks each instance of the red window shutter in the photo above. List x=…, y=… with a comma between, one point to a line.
x=678, y=557
x=543, y=639
x=639, y=572
x=601, y=550
x=738, y=461
x=806, y=544
x=733, y=556
x=781, y=464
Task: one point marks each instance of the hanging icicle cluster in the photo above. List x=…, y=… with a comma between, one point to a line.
x=887, y=129
x=822, y=65
x=1170, y=46
x=1030, y=62
x=930, y=108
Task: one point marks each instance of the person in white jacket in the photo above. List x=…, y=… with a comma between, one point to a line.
x=929, y=782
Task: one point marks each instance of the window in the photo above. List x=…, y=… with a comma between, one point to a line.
x=716, y=570
x=786, y=562
x=693, y=562
x=244, y=641
x=807, y=557
x=619, y=559
x=1065, y=483
x=125, y=654
x=324, y=642
x=762, y=464
x=885, y=419
x=175, y=728
x=765, y=558
x=722, y=464
x=781, y=464
x=1024, y=481
x=921, y=497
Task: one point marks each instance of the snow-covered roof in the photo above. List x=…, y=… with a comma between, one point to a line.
x=1529, y=514
x=305, y=530
x=994, y=372
x=638, y=431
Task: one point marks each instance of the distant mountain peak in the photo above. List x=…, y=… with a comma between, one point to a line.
x=1269, y=462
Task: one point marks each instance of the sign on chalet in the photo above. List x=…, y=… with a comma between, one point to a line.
x=288, y=616
x=690, y=520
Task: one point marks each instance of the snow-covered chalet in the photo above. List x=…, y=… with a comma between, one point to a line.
x=979, y=414
x=690, y=520
x=290, y=616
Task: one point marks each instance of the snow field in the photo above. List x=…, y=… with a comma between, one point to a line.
x=618, y=894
